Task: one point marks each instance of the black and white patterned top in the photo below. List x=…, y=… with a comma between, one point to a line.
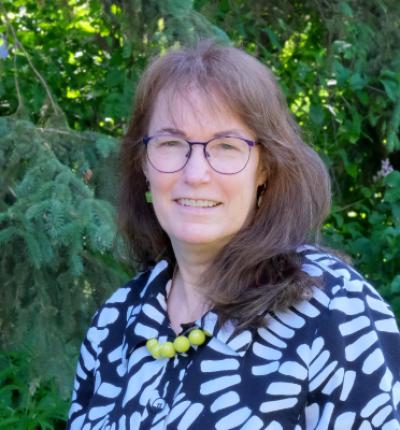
x=330, y=362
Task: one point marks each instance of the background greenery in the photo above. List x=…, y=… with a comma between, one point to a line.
x=68, y=73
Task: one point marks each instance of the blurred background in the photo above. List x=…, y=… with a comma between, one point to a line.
x=68, y=71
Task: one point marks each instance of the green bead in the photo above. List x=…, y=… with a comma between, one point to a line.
x=197, y=337
x=156, y=351
x=181, y=344
x=151, y=344
x=167, y=350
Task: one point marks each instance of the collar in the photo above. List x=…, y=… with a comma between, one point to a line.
x=149, y=318
x=225, y=339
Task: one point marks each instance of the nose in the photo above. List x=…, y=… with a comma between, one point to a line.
x=197, y=169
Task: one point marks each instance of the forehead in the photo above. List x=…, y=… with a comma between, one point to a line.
x=194, y=112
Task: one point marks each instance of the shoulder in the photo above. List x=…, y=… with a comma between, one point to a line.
x=338, y=278
x=345, y=304
x=117, y=309
x=354, y=343
x=349, y=310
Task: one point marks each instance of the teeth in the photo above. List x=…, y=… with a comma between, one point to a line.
x=198, y=203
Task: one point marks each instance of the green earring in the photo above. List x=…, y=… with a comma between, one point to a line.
x=149, y=197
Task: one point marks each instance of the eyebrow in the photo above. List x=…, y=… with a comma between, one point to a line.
x=177, y=132
x=170, y=130
x=233, y=132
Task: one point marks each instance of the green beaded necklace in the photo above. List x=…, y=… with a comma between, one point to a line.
x=180, y=344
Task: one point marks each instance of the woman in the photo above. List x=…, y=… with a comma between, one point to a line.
x=236, y=321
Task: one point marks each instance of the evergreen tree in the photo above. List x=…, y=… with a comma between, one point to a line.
x=56, y=241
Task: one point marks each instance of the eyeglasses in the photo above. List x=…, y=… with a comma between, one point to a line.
x=227, y=155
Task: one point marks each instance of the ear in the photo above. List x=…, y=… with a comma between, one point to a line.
x=262, y=175
x=262, y=168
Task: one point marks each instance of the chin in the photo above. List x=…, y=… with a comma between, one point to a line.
x=199, y=239
x=202, y=237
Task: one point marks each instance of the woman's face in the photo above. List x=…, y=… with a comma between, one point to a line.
x=197, y=205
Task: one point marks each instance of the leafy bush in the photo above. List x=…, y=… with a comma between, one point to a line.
x=25, y=403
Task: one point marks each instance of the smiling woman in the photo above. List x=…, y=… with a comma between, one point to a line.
x=239, y=319
x=195, y=204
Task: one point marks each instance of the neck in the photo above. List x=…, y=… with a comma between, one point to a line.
x=186, y=302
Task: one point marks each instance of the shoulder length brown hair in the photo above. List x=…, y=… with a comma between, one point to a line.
x=260, y=269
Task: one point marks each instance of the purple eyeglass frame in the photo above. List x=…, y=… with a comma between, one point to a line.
x=250, y=143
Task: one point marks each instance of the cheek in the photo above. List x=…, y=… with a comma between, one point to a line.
x=161, y=211
x=242, y=199
x=252, y=193
x=160, y=183
x=161, y=193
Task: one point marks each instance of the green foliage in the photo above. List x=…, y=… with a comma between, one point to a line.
x=338, y=63
x=91, y=54
x=28, y=404
x=55, y=241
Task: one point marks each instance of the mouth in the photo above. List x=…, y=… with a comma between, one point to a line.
x=197, y=203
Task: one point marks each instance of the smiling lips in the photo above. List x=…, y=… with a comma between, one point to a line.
x=198, y=203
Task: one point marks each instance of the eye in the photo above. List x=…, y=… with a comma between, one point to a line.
x=227, y=146
x=170, y=143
